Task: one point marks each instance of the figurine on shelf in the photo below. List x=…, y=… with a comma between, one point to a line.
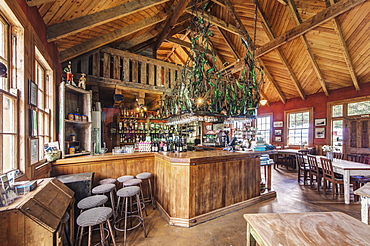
x=68, y=74
x=82, y=81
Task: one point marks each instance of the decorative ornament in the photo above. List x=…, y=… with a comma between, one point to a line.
x=3, y=70
x=82, y=81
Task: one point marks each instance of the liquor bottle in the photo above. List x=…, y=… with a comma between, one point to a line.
x=180, y=145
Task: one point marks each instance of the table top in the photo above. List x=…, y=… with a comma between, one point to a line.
x=347, y=165
x=316, y=228
x=363, y=191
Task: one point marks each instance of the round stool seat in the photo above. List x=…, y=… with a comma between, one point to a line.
x=125, y=178
x=128, y=191
x=94, y=216
x=107, y=181
x=92, y=201
x=132, y=182
x=144, y=175
x=103, y=188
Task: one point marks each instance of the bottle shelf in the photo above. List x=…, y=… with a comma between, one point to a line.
x=77, y=122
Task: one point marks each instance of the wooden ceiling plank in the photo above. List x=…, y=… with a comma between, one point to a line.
x=229, y=43
x=34, y=3
x=241, y=28
x=171, y=21
x=267, y=27
x=217, y=22
x=292, y=9
x=320, y=18
x=82, y=23
x=182, y=43
x=176, y=45
x=273, y=82
x=264, y=97
x=137, y=40
x=180, y=58
x=109, y=37
x=346, y=54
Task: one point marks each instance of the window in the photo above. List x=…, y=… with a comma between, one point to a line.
x=337, y=135
x=264, y=128
x=11, y=40
x=359, y=108
x=298, y=127
x=45, y=103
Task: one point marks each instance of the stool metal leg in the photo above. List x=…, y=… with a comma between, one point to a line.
x=89, y=239
x=151, y=194
x=142, y=198
x=111, y=232
x=141, y=213
x=102, y=237
x=125, y=231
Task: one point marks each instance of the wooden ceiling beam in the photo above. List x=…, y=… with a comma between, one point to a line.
x=320, y=18
x=141, y=46
x=273, y=82
x=180, y=58
x=170, y=23
x=137, y=40
x=102, y=40
x=82, y=23
x=176, y=45
x=267, y=27
x=33, y=3
x=347, y=56
x=293, y=11
x=182, y=43
x=229, y=43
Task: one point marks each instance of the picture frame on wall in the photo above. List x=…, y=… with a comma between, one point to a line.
x=320, y=122
x=277, y=132
x=34, y=149
x=320, y=132
x=32, y=93
x=277, y=139
x=278, y=124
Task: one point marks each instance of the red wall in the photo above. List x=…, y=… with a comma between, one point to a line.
x=317, y=101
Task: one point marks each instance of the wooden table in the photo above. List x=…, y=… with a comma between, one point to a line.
x=316, y=228
x=348, y=169
x=364, y=192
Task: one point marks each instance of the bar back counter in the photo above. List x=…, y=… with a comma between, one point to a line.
x=189, y=187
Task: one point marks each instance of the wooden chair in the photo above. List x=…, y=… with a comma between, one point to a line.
x=314, y=171
x=366, y=160
x=329, y=175
x=312, y=150
x=361, y=180
x=338, y=155
x=303, y=168
x=353, y=157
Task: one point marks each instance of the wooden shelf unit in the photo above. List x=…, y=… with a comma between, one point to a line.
x=71, y=98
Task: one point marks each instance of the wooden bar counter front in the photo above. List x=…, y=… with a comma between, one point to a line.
x=189, y=187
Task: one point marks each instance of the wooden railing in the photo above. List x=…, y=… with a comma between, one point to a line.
x=112, y=66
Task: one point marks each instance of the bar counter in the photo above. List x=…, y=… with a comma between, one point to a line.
x=189, y=187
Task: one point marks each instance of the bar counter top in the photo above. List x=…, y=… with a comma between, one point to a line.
x=179, y=157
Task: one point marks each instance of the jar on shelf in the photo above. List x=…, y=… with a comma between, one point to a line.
x=77, y=117
x=84, y=117
x=70, y=116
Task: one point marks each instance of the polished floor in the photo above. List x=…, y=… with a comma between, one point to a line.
x=230, y=229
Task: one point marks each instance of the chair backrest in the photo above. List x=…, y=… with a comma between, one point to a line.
x=327, y=168
x=366, y=160
x=312, y=151
x=300, y=159
x=353, y=157
x=338, y=155
x=312, y=162
x=303, y=151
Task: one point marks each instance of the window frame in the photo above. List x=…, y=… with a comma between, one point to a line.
x=310, y=124
x=270, y=115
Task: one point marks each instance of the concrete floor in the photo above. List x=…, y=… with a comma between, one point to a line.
x=230, y=229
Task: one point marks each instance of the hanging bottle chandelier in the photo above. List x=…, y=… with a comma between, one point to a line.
x=202, y=93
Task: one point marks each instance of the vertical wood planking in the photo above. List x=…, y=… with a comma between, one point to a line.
x=116, y=67
x=173, y=78
x=165, y=77
x=84, y=64
x=143, y=74
x=96, y=64
x=159, y=76
x=126, y=69
x=151, y=74
x=106, y=65
x=135, y=71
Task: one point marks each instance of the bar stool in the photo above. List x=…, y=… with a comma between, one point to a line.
x=108, y=181
x=93, y=217
x=128, y=193
x=136, y=182
x=103, y=189
x=125, y=178
x=147, y=176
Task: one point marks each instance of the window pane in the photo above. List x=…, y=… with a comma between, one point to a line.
x=9, y=152
x=337, y=134
x=337, y=110
x=298, y=128
x=9, y=114
x=263, y=126
x=359, y=108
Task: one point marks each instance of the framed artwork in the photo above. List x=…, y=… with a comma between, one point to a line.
x=32, y=93
x=277, y=132
x=320, y=132
x=320, y=122
x=34, y=147
x=33, y=123
x=277, y=139
x=278, y=124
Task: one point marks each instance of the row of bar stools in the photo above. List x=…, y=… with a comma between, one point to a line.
x=146, y=176
x=108, y=181
x=103, y=189
x=127, y=193
x=93, y=217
